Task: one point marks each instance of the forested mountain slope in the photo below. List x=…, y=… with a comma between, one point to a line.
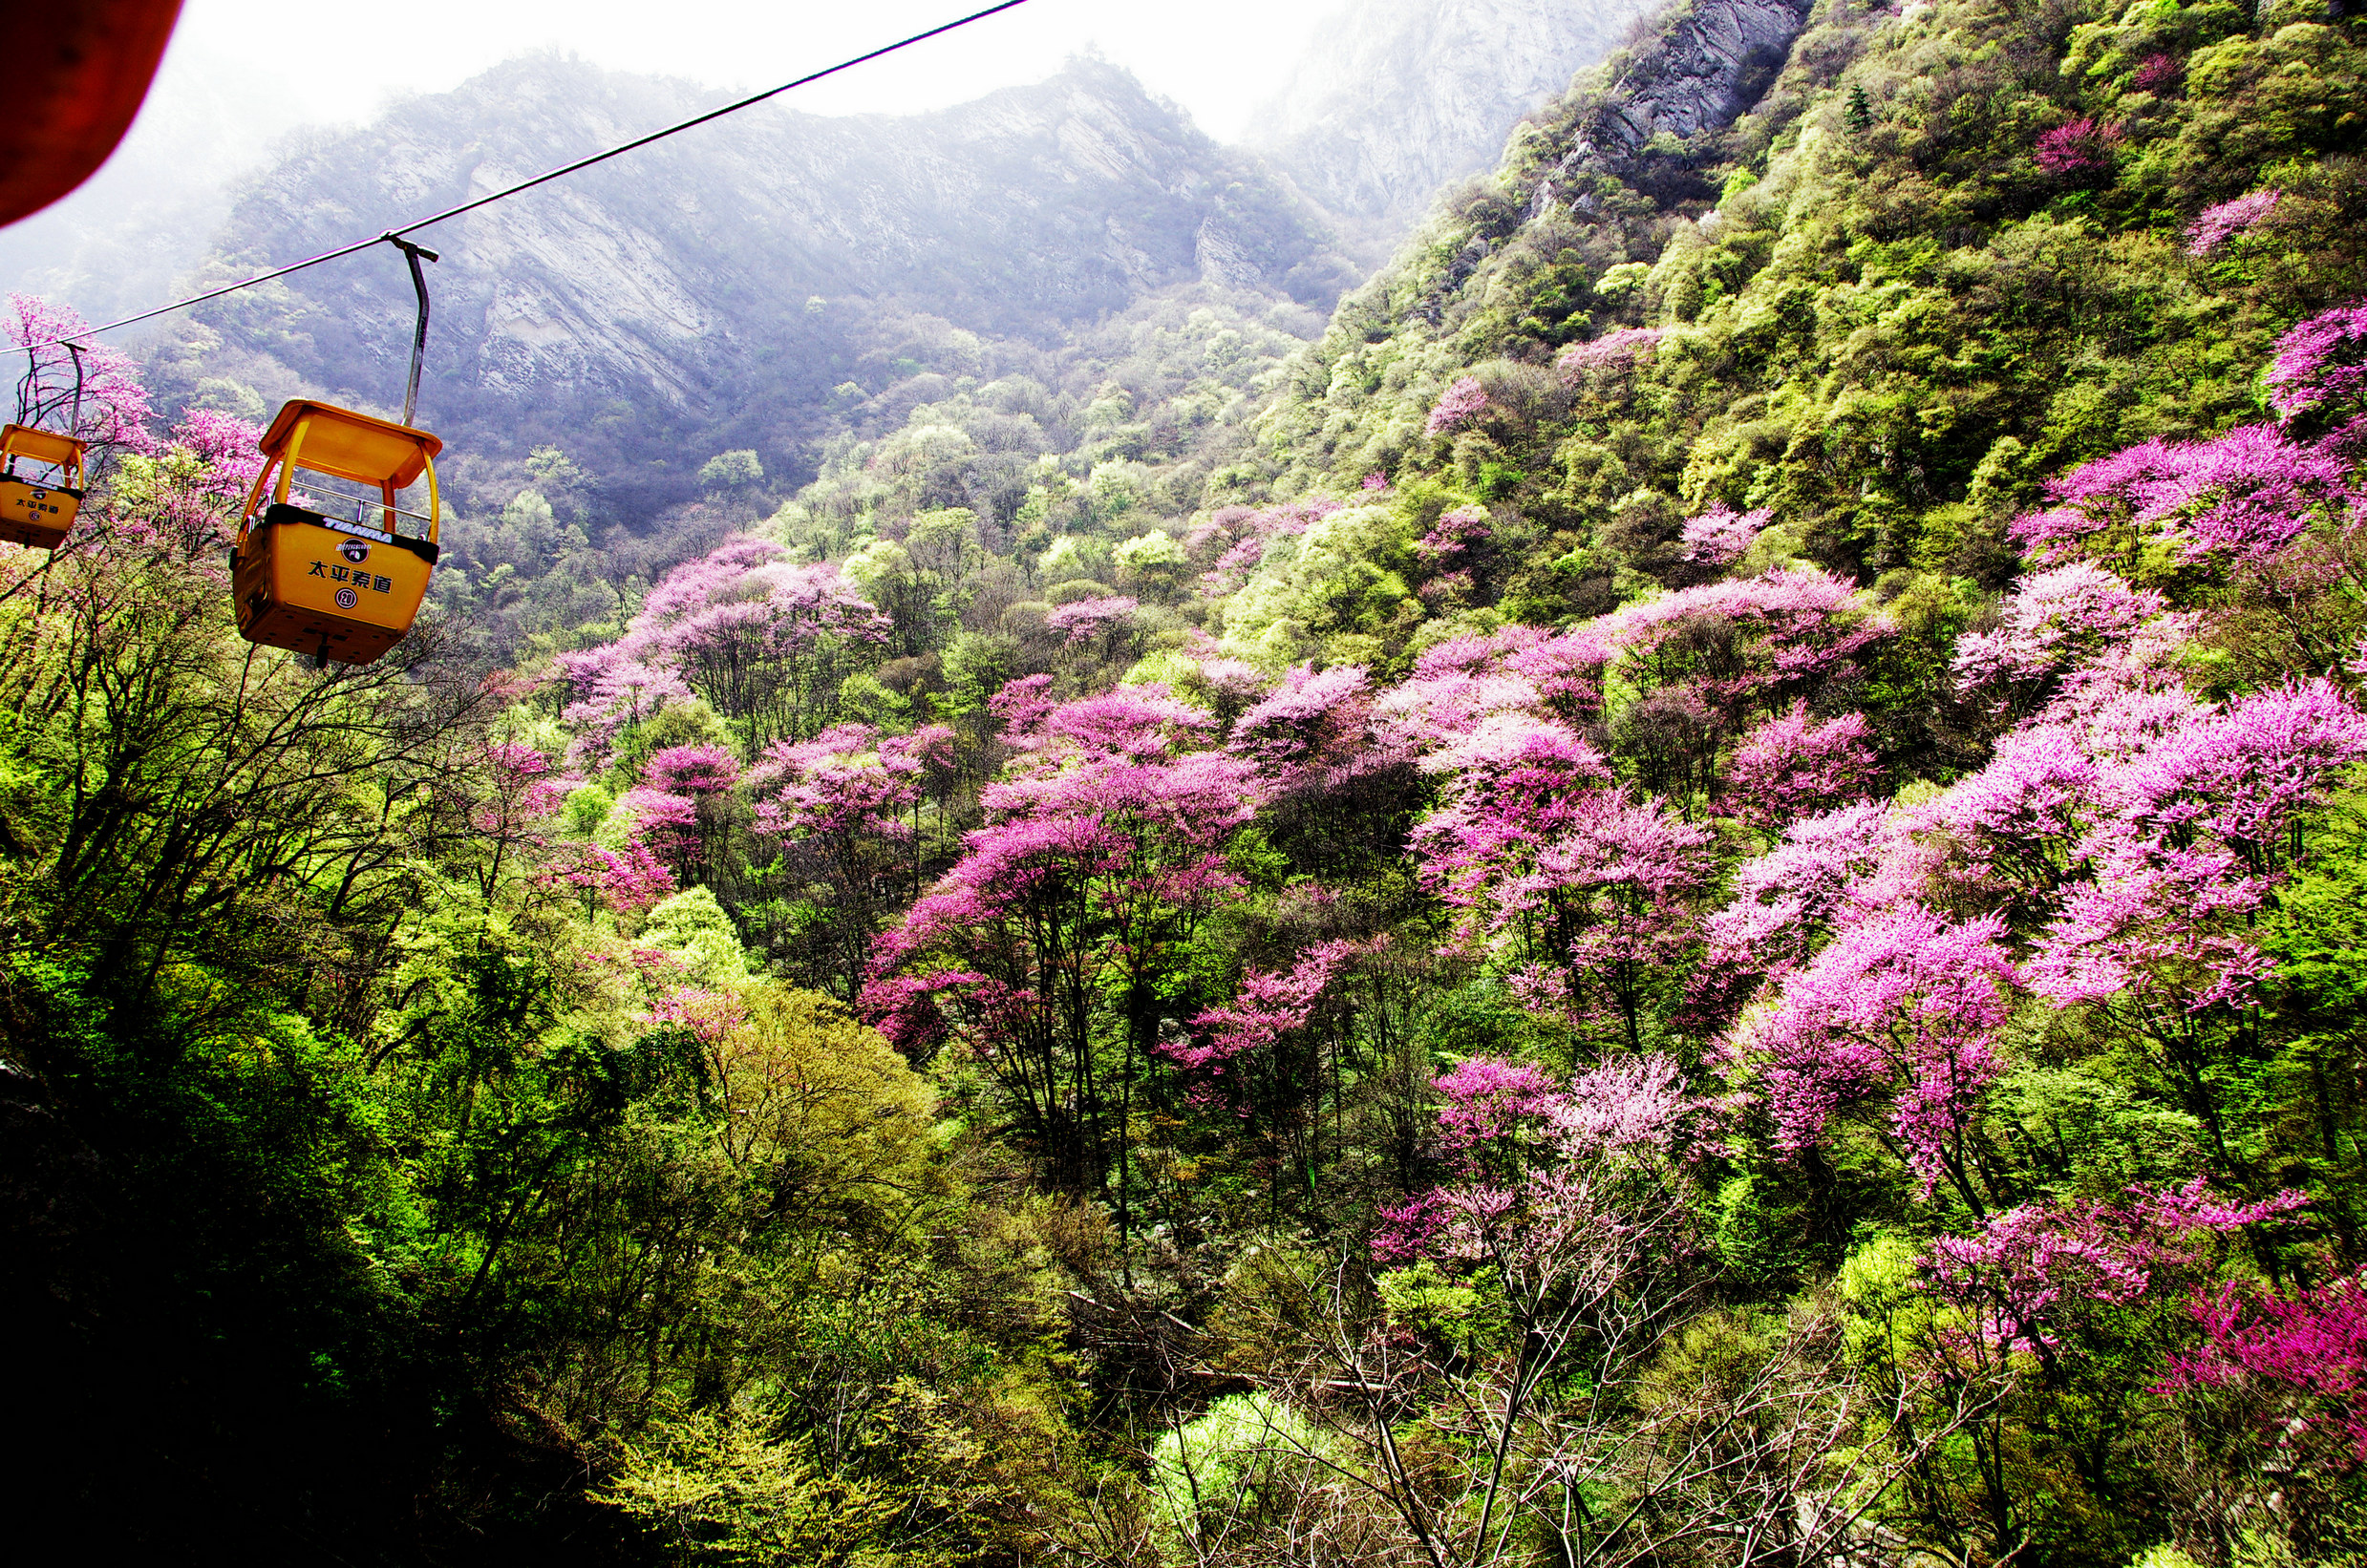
x=1938, y=259
x=1690, y=894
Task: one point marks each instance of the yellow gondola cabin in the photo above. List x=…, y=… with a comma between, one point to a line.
x=40, y=486
x=323, y=570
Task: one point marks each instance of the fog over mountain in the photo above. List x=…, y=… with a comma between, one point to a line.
x=1407, y=96
x=125, y=239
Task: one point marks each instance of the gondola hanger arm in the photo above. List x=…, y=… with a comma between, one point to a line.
x=412, y=254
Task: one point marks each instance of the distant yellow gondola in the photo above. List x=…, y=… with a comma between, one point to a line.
x=40, y=486
x=343, y=577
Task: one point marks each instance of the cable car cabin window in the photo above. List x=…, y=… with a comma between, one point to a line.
x=40, y=486
x=343, y=502
x=338, y=538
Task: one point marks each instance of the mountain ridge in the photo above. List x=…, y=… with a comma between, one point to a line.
x=716, y=273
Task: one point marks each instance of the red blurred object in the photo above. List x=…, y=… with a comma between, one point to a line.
x=80, y=70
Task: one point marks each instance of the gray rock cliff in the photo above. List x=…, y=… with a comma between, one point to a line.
x=1704, y=70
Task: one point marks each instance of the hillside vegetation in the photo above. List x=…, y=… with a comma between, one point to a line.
x=1692, y=892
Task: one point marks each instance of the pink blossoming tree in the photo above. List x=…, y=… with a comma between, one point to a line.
x=1267, y=1054
x=2216, y=226
x=2157, y=74
x=2243, y=496
x=2052, y=622
x=1312, y=731
x=2079, y=146
x=1746, y=645
x=1786, y=904
x=113, y=413
x=2030, y=1271
x=844, y=809
x=765, y=642
x=2320, y=368
x=1616, y=350
x=1454, y=533
x=1102, y=851
x=678, y=807
x=2297, y=1361
x=1791, y=767
x=1895, y=1019
x=1459, y=404
x=1573, y=1202
x=1719, y=536
x=1092, y=620
x=1543, y=862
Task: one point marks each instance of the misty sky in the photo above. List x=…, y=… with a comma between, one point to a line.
x=1216, y=57
x=243, y=74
